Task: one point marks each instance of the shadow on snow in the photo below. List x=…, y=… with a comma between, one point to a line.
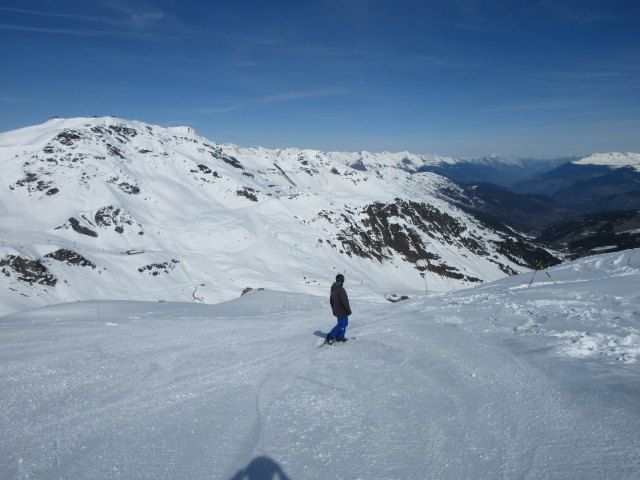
x=261, y=468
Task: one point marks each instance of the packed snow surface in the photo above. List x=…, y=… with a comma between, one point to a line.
x=504, y=380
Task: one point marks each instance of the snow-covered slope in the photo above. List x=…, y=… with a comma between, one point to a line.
x=104, y=208
x=613, y=160
x=403, y=160
x=497, y=381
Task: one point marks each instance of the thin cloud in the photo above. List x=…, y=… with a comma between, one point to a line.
x=137, y=18
x=69, y=16
x=59, y=31
x=214, y=110
x=131, y=21
x=15, y=100
x=283, y=97
x=537, y=106
x=277, y=98
x=246, y=64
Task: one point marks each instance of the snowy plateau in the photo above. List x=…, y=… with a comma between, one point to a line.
x=128, y=352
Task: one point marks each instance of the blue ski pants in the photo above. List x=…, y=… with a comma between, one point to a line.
x=340, y=329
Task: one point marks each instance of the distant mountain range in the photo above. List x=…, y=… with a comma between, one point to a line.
x=592, y=184
x=492, y=169
x=534, y=195
x=496, y=170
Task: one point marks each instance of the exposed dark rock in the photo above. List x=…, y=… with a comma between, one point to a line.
x=217, y=153
x=126, y=187
x=206, y=171
x=70, y=257
x=123, y=131
x=359, y=165
x=34, y=184
x=115, y=151
x=248, y=192
x=403, y=227
x=75, y=225
x=156, y=268
x=28, y=270
x=68, y=137
x=111, y=216
x=249, y=290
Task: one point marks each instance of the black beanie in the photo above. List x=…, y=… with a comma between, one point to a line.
x=340, y=278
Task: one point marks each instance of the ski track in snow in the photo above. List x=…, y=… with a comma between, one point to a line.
x=499, y=381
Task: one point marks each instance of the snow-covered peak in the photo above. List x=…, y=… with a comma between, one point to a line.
x=404, y=160
x=613, y=160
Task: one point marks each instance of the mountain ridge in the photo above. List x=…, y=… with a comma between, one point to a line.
x=174, y=216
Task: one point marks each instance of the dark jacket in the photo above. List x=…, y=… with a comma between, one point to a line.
x=339, y=301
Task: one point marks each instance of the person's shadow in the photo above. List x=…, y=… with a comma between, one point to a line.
x=261, y=468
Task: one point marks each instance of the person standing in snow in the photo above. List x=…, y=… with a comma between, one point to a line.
x=340, y=306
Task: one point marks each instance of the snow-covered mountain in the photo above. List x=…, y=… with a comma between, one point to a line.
x=410, y=162
x=612, y=160
x=107, y=208
x=595, y=183
x=503, y=380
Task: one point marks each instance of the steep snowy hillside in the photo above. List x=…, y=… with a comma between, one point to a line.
x=407, y=161
x=504, y=380
x=103, y=208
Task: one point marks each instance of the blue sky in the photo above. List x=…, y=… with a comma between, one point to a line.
x=459, y=77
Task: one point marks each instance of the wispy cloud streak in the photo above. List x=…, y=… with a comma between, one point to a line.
x=63, y=31
x=130, y=21
x=277, y=98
